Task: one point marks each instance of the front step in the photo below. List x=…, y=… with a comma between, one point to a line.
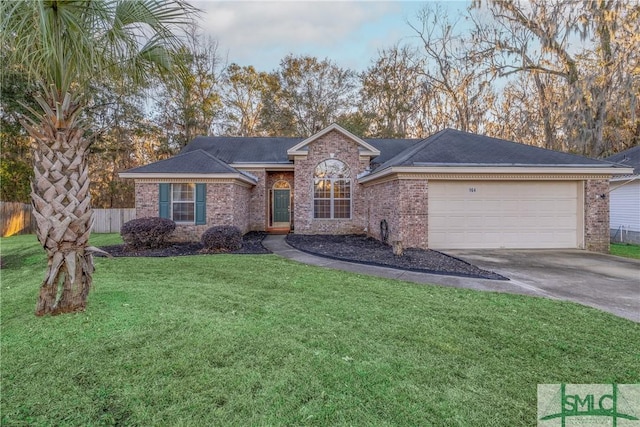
x=278, y=230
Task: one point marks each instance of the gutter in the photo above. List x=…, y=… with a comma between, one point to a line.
x=245, y=177
x=634, y=178
x=519, y=165
x=498, y=169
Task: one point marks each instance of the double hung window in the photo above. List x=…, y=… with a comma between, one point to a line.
x=183, y=202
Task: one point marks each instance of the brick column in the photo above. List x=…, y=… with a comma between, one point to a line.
x=413, y=213
x=596, y=215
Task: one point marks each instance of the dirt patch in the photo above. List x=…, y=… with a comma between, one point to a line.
x=251, y=244
x=366, y=250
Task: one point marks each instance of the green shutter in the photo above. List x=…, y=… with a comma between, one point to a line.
x=164, y=200
x=201, y=204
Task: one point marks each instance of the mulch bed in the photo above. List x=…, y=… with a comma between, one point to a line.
x=354, y=248
x=366, y=250
x=251, y=244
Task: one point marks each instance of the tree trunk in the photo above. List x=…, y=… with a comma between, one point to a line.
x=61, y=204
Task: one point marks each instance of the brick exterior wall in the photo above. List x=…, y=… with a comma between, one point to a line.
x=382, y=202
x=596, y=215
x=403, y=203
x=257, y=202
x=227, y=204
x=345, y=150
x=147, y=204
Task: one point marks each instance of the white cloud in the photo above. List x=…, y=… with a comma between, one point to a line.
x=262, y=32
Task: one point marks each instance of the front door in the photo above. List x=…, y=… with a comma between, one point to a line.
x=281, y=214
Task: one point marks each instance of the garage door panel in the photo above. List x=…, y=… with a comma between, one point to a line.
x=568, y=224
x=493, y=214
x=474, y=222
x=494, y=222
x=458, y=205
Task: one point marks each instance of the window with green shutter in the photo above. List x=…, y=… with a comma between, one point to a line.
x=183, y=202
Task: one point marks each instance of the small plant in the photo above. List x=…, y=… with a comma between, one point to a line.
x=222, y=238
x=147, y=233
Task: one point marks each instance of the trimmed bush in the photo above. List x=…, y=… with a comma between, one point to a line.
x=147, y=233
x=222, y=238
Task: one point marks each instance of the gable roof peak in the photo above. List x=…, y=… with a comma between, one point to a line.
x=299, y=149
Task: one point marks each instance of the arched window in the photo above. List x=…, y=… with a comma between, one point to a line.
x=281, y=185
x=331, y=190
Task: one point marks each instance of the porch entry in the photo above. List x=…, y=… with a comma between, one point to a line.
x=281, y=205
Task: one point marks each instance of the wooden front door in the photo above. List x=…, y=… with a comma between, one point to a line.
x=281, y=208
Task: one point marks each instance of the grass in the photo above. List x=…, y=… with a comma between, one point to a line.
x=625, y=250
x=259, y=340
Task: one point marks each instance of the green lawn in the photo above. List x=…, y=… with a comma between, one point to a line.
x=259, y=340
x=625, y=250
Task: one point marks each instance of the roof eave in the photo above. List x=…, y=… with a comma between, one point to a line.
x=631, y=177
x=190, y=176
x=279, y=166
x=565, y=170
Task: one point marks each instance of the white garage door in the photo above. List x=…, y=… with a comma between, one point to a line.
x=491, y=214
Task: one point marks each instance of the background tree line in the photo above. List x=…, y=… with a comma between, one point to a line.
x=557, y=74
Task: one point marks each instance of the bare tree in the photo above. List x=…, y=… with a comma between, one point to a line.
x=305, y=95
x=243, y=90
x=458, y=88
x=583, y=51
x=524, y=113
x=190, y=101
x=391, y=92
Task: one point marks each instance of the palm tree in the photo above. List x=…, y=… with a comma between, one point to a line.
x=64, y=45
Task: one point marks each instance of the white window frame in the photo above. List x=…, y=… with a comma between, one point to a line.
x=331, y=180
x=183, y=202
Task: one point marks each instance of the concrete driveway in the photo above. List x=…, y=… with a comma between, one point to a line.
x=605, y=282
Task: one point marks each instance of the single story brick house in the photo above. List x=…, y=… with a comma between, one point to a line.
x=451, y=190
x=625, y=198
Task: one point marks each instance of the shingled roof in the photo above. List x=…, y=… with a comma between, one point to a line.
x=193, y=162
x=456, y=148
x=629, y=158
x=234, y=149
x=390, y=148
x=214, y=155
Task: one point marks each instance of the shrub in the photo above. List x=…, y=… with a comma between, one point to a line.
x=222, y=238
x=147, y=233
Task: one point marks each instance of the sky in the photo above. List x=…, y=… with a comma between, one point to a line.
x=350, y=33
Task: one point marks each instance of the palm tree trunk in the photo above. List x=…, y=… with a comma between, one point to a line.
x=61, y=204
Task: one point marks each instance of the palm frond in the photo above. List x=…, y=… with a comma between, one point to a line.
x=68, y=43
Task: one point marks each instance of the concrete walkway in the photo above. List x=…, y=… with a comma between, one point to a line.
x=277, y=244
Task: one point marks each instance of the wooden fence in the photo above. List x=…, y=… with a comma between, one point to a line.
x=16, y=218
x=110, y=220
